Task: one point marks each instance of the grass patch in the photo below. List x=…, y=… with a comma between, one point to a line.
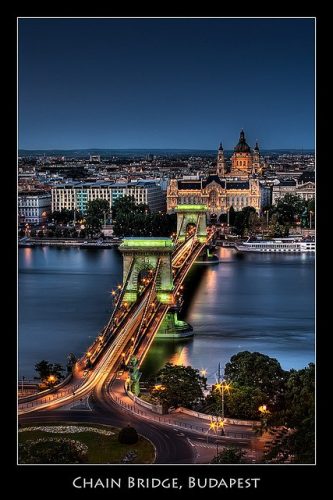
x=101, y=449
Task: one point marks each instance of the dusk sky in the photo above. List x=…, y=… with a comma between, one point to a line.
x=165, y=83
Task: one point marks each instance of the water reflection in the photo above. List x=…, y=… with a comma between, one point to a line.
x=260, y=303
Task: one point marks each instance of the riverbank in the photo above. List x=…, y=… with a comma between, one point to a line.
x=68, y=242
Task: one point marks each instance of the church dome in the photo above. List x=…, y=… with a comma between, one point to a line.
x=242, y=146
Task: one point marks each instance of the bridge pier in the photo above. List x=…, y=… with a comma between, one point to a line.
x=174, y=328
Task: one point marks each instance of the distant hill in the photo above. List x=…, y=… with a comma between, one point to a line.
x=107, y=153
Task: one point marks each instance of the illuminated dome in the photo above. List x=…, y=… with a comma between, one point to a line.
x=242, y=146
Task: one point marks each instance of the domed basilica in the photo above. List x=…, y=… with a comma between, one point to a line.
x=237, y=186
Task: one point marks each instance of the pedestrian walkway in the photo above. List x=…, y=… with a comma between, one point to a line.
x=178, y=420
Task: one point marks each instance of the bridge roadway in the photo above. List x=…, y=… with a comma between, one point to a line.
x=108, y=361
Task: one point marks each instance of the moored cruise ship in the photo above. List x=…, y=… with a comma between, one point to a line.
x=278, y=245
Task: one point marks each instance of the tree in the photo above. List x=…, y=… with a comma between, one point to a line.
x=137, y=220
x=64, y=216
x=128, y=435
x=123, y=205
x=43, y=368
x=239, y=402
x=230, y=455
x=246, y=220
x=95, y=214
x=232, y=216
x=52, y=451
x=288, y=208
x=178, y=385
x=46, y=369
x=56, y=370
x=71, y=360
x=297, y=414
x=257, y=371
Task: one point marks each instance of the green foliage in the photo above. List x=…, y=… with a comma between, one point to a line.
x=239, y=402
x=71, y=360
x=95, y=214
x=52, y=451
x=64, y=216
x=288, y=208
x=178, y=385
x=45, y=369
x=230, y=455
x=128, y=435
x=232, y=216
x=257, y=371
x=246, y=221
x=137, y=220
x=297, y=414
x=127, y=205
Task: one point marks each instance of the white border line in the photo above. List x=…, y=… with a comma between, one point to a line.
x=315, y=290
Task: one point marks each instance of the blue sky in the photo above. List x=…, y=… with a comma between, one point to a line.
x=165, y=83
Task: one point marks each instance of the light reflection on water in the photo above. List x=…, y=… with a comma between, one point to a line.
x=259, y=303
x=262, y=303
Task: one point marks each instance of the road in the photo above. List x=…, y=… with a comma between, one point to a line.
x=170, y=447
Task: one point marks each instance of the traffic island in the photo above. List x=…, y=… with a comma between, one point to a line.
x=99, y=445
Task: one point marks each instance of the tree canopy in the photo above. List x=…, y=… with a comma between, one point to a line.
x=298, y=414
x=95, y=214
x=178, y=385
x=230, y=455
x=245, y=221
x=257, y=371
x=130, y=219
x=46, y=369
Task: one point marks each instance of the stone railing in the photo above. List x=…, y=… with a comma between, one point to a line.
x=204, y=416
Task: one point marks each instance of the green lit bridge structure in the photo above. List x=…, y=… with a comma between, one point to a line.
x=153, y=274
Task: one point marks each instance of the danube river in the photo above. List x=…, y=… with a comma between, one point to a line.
x=262, y=303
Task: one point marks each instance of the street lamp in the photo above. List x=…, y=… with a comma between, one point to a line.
x=222, y=386
x=264, y=412
x=214, y=426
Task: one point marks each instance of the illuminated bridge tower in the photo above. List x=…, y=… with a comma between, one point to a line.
x=142, y=256
x=191, y=215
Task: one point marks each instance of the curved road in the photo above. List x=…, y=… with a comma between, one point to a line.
x=171, y=447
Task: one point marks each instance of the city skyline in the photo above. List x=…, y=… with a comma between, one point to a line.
x=165, y=83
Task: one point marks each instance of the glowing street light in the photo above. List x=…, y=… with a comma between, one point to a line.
x=203, y=372
x=88, y=354
x=51, y=380
x=263, y=409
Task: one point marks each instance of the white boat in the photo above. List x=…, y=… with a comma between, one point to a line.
x=278, y=245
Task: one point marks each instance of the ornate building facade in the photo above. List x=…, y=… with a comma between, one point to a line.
x=237, y=188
